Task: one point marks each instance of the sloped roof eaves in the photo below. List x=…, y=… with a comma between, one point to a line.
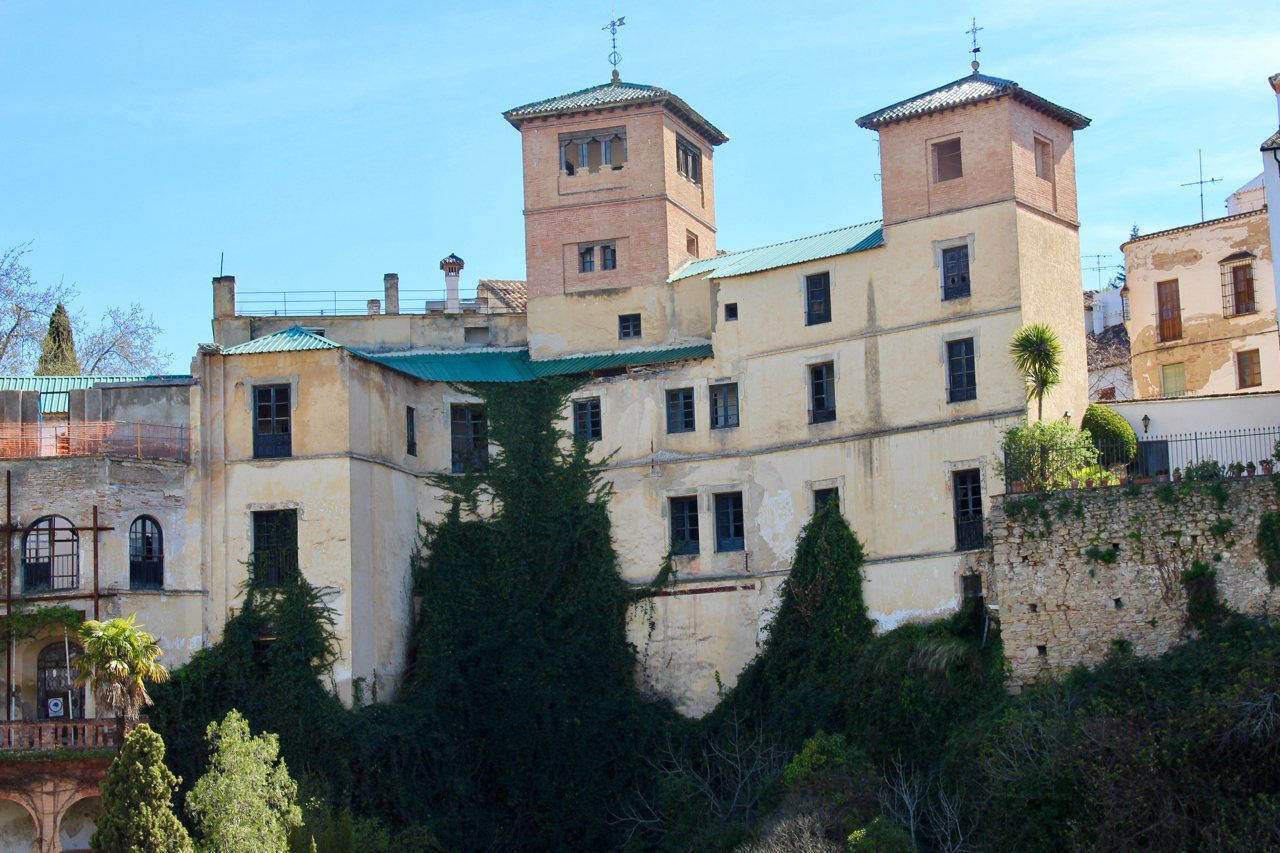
x=604, y=361
x=512, y=294
x=509, y=366
x=1272, y=143
x=615, y=94
x=969, y=90
x=842, y=241
x=295, y=339
x=60, y=384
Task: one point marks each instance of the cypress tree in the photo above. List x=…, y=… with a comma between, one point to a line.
x=136, y=813
x=58, y=349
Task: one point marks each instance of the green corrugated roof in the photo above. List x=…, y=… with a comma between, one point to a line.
x=53, y=389
x=479, y=366
x=842, y=241
x=296, y=339
x=603, y=361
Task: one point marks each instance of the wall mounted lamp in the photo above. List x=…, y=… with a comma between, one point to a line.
x=1146, y=422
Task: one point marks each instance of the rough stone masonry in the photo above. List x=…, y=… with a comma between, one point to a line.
x=1076, y=574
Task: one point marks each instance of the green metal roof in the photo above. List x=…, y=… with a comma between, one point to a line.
x=296, y=339
x=515, y=366
x=969, y=90
x=54, y=396
x=603, y=361
x=842, y=241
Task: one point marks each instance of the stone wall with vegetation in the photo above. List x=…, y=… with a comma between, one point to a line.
x=1076, y=574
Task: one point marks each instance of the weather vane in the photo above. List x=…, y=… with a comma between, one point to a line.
x=615, y=57
x=973, y=31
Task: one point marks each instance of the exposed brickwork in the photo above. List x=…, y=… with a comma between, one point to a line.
x=1058, y=607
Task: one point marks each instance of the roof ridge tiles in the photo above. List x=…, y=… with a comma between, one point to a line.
x=972, y=89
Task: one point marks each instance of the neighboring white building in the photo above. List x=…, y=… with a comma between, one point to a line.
x=1271, y=180
x=1107, y=346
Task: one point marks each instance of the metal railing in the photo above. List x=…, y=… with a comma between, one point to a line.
x=139, y=439
x=348, y=303
x=1189, y=456
x=77, y=734
x=272, y=567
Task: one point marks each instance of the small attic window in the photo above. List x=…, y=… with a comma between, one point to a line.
x=688, y=160
x=1044, y=160
x=947, y=161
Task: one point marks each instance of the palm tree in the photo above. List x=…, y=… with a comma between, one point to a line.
x=1037, y=353
x=118, y=659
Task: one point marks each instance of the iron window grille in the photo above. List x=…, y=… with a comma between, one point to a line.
x=1173, y=380
x=817, y=299
x=730, y=523
x=948, y=164
x=680, y=417
x=684, y=525
x=1124, y=304
x=962, y=374
x=470, y=439
x=274, y=560
x=587, y=259
x=688, y=160
x=822, y=384
x=50, y=556
x=608, y=257
x=822, y=497
x=967, y=487
x=1237, y=289
x=955, y=272
x=411, y=431
x=54, y=680
x=146, y=554
x=724, y=405
x=272, y=436
x=628, y=326
x=1249, y=369
x=730, y=311
x=586, y=419
x=1170, y=308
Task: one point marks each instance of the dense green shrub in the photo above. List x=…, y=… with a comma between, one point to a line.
x=1269, y=545
x=1111, y=434
x=1205, y=469
x=1046, y=455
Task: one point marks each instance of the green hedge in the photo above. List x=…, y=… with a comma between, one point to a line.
x=1111, y=434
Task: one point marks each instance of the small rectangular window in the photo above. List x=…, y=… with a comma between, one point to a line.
x=1249, y=369
x=1044, y=160
x=955, y=272
x=947, y=163
x=272, y=437
x=608, y=257
x=822, y=393
x=724, y=405
x=817, y=299
x=410, y=431
x=730, y=311
x=1242, y=301
x=587, y=259
x=584, y=155
x=962, y=374
x=470, y=439
x=1170, y=307
x=730, y=524
x=822, y=497
x=275, y=547
x=684, y=524
x=691, y=243
x=606, y=152
x=1173, y=380
x=967, y=487
x=688, y=160
x=586, y=419
x=680, y=416
x=628, y=326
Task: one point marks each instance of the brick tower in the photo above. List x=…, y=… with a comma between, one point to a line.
x=618, y=188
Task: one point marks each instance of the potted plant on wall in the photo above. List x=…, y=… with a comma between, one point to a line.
x=1177, y=475
x=1250, y=467
x=1236, y=469
x=1267, y=465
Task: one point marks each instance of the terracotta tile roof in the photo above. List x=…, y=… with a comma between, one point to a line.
x=969, y=90
x=616, y=94
x=512, y=294
x=1272, y=143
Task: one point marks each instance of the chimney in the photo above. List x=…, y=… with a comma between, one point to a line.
x=375, y=307
x=452, y=267
x=391, y=289
x=224, y=297
x=1275, y=84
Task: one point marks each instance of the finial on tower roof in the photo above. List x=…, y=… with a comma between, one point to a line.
x=973, y=31
x=615, y=57
x=617, y=78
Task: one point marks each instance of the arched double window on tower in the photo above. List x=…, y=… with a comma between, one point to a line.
x=146, y=554
x=50, y=555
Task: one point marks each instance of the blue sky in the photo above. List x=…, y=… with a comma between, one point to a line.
x=321, y=145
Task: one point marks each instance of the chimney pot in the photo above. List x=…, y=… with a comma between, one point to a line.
x=375, y=307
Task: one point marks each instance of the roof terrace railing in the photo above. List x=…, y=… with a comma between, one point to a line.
x=139, y=439
x=350, y=303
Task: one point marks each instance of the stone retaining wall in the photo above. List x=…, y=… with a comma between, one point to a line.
x=1063, y=600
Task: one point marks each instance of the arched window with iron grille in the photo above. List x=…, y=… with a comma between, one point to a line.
x=50, y=555
x=146, y=554
x=53, y=681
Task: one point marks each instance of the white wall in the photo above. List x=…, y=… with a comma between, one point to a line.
x=1177, y=415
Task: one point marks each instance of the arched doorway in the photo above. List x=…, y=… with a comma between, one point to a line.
x=78, y=823
x=55, y=700
x=17, y=829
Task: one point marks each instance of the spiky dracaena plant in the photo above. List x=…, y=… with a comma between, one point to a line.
x=1037, y=354
x=119, y=659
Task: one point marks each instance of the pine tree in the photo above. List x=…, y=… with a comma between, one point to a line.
x=58, y=349
x=136, y=812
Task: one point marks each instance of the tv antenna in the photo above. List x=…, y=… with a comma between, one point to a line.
x=973, y=31
x=1201, y=182
x=1098, y=266
x=614, y=56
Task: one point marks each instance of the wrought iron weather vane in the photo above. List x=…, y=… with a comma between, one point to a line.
x=614, y=56
x=973, y=31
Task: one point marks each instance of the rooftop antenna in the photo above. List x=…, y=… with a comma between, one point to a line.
x=614, y=56
x=1201, y=182
x=222, y=257
x=1099, y=266
x=973, y=31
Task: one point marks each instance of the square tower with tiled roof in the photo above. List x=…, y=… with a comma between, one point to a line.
x=619, y=194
